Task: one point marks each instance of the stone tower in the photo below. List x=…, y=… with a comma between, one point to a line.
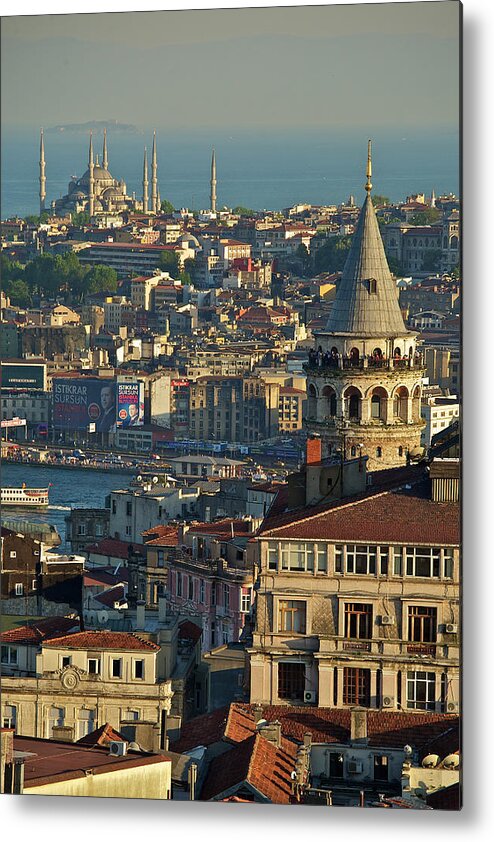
x=91, y=176
x=154, y=177
x=42, y=177
x=145, y=182
x=364, y=374
x=213, y=183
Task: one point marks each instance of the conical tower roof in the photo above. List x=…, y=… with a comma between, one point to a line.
x=366, y=303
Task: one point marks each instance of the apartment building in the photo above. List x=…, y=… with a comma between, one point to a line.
x=358, y=600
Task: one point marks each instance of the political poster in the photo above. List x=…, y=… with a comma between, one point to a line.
x=130, y=405
x=79, y=402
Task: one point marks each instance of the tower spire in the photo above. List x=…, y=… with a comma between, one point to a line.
x=213, y=182
x=42, y=178
x=145, y=182
x=154, y=177
x=91, y=175
x=104, y=162
x=368, y=184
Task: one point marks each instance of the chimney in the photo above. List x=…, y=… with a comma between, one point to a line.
x=162, y=609
x=64, y=733
x=272, y=733
x=140, y=615
x=257, y=712
x=313, y=450
x=358, y=725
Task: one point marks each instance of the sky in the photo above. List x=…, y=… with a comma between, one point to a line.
x=340, y=67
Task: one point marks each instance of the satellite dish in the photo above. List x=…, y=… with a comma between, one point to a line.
x=139, y=478
x=155, y=480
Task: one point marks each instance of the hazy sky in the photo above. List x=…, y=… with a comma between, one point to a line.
x=390, y=64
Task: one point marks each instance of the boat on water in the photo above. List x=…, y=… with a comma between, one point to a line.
x=31, y=498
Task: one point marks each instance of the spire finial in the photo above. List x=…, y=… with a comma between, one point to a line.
x=368, y=184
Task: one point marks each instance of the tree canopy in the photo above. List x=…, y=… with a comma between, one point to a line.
x=167, y=206
x=379, y=200
x=169, y=262
x=332, y=255
x=426, y=217
x=52, y=275
x=240, y=210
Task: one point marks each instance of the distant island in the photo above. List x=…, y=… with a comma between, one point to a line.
x=96, y=126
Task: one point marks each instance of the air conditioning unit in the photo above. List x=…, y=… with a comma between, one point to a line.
x=354, y=767
x=309, y=697
x=451, y=628
x=388, y=702
x=118, y=748
x=387, y=621
x=453, y=707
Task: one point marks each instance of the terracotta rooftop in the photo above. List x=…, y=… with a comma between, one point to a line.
x=103, y=640
x=254, y=761
x=403, y=515
x=221, y=528
x=161, y=536
x=112, y=595
x=97, y=577
x=114, y=548
x=189, y=631
x=102, y=736
x=40, y=630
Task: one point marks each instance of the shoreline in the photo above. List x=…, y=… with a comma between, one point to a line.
x=80, y=467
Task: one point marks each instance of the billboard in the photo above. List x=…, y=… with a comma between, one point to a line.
x=130, y=404
x=24, y=376
x=80, y=402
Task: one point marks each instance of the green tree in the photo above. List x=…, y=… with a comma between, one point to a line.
x=332, y=255
x=302, y=254
x=80, y=219
x=240, y=210
x=18, y=293
x=379, y=200
x=33, y=219
x=169, y=262
x=455, y=272
x=432, y=260
x=395, y=267
x=167, y=206
x=41, y=275
x=10, y=269
x=426, y=217
x=100, y=279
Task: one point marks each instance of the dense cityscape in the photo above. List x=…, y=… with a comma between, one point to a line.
x=264, y=605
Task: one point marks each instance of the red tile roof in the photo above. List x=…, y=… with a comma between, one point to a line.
x=254, y=761
x=402, y=516
x=203, y=730
x=189, y=631
x=40, y=630
x=102, y=736
x=164, y=536
x=111, y=596
x=103, y=640
x=98, y=577
x=222, y=528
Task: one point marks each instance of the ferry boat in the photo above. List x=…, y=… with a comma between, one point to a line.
x=32, y=498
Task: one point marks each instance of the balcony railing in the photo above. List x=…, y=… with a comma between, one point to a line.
x=327, y=363
x=421, y=649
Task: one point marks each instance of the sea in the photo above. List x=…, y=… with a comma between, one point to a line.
x=70, y=488
x=257, y=169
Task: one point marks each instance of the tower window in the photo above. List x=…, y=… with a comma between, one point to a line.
x=379, y=452
x=372, y=286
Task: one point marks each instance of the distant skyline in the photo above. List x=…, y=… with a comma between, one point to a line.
x=354, y=67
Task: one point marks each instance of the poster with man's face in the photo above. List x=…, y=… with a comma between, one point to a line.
x=83, y=401
x=130, y=405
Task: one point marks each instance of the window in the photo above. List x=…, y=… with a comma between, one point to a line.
x=422, y=561
x=213, y=593
x=421, y=690
x=383, y=561
x=56, y=718
x=128, y=530
x=13, y=554
x=191, y=588
x=379, y=452
x=338, y=559
x=66, y=661
x=361, y=559
x=131, y=715
x=34, y=585
x=336, y=764
x=161, y=558
x=128, y=508
x=245, y=602
x=114, y=507
x=292, y=616
x=93, y=665
x=202, y=592
x=86, y=722
x=226, y=596
x=179, y=584
x=422, y=624
x=116, y=668
x=81, y=529
x=291, y=681
x=322, y=558
x=139, y=669
x=356, y=686
x=380, y=767
x=272, y=556
x=397, y=561
x=297, y=557
x=358, y=620
x=9, y=655
x=448, y=563
x=99, y=530
x=9, y=717
x=19, y=588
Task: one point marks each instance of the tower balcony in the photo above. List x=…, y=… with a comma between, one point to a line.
x=327, y=364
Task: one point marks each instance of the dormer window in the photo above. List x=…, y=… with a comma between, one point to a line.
x=372, y=286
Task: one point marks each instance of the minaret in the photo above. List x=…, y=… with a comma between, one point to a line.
x=154, y=178
x=145, y=182
x=433, y=199
x=42, y=178
x=91, y=175
x=158, y=202
x=213, y=182
x=104, y=162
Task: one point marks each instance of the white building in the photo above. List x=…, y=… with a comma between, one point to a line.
x=133, y=511
x=438, y=413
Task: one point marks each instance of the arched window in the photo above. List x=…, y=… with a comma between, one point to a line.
x=353, y=450
x=454, y=242
x=379, y=452
x=330, y=395
x=354, y=356
x=397, y=353
x=377, y=354
x=312, y=401
x=379, y=400
x=375, y=406
x=400, y=451
x=354, y=406
x=400, y=403
x=416, y=404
